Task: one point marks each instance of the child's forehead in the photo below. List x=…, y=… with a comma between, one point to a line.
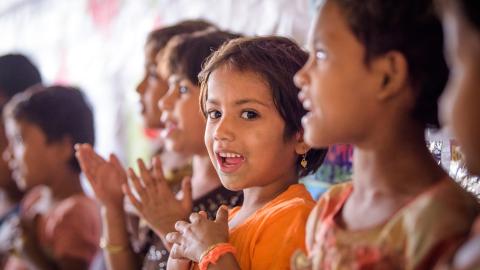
x=329, y=23
x=233, y=85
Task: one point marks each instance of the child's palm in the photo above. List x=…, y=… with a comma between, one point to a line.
x=156, y=203
x=105, y=177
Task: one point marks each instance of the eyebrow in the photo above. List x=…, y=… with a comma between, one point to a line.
x=240, y=102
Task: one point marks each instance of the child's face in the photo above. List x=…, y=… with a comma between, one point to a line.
x=337, y=86
x=460, y=103
x=30, y=158
x=244, y=133
x=183, y=122
x=151, y=89
x=5, y=173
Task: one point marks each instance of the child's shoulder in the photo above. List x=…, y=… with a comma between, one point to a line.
x=332, y=199
x=77, y=206
x=444, y=203
x=295, y=198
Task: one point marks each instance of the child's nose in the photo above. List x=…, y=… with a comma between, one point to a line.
x=224, y=131
x=166, y=102
x=300, y=78
x=142, y=86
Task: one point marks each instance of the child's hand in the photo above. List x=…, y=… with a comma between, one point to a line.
x=176, y=264
x=105, y=177
x=194, y=238
x=157, y=204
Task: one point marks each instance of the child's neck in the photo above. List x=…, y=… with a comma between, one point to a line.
x=387, y=177
x=255, y=198
x=258, y=196
x=65, y=183
x=204, y=176
x=399, y=165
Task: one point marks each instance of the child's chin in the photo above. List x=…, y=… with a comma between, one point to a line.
x=314, y=139
x=231, y=185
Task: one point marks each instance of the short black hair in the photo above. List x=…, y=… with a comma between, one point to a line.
x=160, y=37
x=276, y=60
x=185, y=54
x=59, y=111
x=17, y=73
x=412, y=28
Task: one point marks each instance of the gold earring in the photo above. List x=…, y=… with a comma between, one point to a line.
x=304, y=161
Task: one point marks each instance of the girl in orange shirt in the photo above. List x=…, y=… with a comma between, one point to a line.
x=254, y=139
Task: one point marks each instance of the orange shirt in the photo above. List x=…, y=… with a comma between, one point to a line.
x=268, y=238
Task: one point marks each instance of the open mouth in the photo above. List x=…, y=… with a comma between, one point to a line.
x=229, y=162
x=168, y=128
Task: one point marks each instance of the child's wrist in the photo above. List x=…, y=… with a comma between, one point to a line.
x=213, y=253
x=112, y=248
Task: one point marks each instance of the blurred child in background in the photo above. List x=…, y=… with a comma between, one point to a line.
x=59, y=225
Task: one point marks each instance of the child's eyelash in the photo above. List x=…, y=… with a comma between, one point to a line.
x=213, y=114
x=249, y=114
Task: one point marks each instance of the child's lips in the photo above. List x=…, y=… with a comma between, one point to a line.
x=306, y=102
x=168, y=128
x=229, y=162
x=306, y=119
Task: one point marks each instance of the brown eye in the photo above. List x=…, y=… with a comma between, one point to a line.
x=249, y=115
x=214, y=114
x=320, y=55
x=183, y=90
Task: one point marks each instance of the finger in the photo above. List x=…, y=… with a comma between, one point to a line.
x=222, y=215
x=89, y=161
x=145, y=174
x=177, y=252
x=181, y=226
x=86, y=163
x=187, y=200
x=203, y=214
x=135, y=202
x=174, y=237
x=158, y=170
x=117, y=164
x=136, y=184
x=195, y=218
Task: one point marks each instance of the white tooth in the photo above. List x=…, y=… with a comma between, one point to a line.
x=229, y=155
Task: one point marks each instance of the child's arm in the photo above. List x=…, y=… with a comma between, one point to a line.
x=157, y=204
x=106, y=179
x=192, y=239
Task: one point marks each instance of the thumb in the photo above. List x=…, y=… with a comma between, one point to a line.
x=222, y=215
x=187, y=201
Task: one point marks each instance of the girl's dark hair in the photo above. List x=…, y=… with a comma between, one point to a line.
x=59, y=111
x=412, y=28
x=185, y=54
x=160, y=37
x=276, y=60
x=17, y=73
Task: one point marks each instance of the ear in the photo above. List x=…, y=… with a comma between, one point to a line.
x=393, y=74
x=64, y=148
x=300, y=146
